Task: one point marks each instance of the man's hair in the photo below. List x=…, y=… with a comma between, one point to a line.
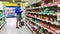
x=18, y=4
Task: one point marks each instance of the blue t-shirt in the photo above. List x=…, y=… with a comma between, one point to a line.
x=17, y=10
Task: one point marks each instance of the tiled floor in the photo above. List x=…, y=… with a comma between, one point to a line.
x=9, y=28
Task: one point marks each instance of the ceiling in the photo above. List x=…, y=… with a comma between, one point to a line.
x=11, y=0
x=29, y=1
x=17, y=0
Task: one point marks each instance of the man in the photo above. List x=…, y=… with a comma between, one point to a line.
x=18, y=12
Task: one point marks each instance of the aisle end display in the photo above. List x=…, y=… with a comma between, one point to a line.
x=10, y=11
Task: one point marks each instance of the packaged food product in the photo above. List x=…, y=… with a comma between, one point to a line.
x=42, y=30
x=50, y=3
x=51, y=20
x=52, y=28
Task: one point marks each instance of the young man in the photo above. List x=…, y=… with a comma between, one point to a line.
x=18, y=12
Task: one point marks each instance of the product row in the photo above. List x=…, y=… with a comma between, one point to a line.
x=48, y=19
x=45, y=15
x=45, y=11
x=47, y=26
x=49, y=2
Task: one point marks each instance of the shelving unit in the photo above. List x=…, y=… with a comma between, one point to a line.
x=57, y=5
x=44, y=17
x=2, y=15
x=30, y=26
x=41, y=26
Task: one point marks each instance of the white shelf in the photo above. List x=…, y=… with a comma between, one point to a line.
x=56, y=23
x=58, y=5
x=41, y=13
x=2, y=17
x=47, y=29
x=33, y=25
x=42, y=26
x=45, y=20
x=2, y=25
x=42, y=19
x=30, y=27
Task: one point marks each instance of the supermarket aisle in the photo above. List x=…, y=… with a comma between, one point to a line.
x=10, y=28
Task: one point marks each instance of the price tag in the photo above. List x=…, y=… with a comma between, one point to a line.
x=0, y=23
x=54, y=14
x=58, y=5
x=58, y=16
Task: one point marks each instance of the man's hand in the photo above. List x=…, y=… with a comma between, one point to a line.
x=21, y=11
